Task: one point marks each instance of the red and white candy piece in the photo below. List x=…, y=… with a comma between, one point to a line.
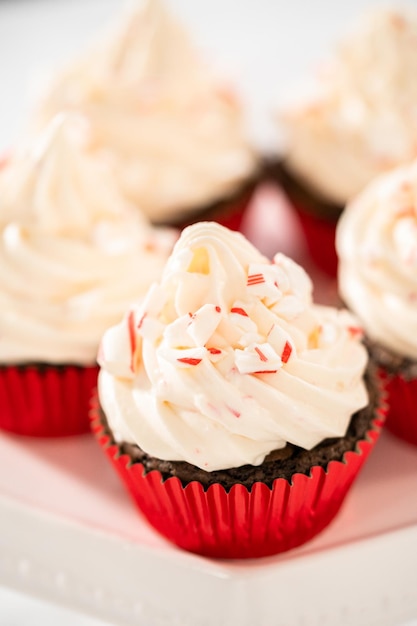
x=266, y=282
x=239, y=316
x=281, y=342
x=190, y=357
x=147, y=323
x=203, y=323
x=257, y=359
x=215, y=354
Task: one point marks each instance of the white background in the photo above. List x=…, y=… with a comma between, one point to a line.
x=262, y=44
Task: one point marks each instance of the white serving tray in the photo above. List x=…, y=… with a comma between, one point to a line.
x=70, y=535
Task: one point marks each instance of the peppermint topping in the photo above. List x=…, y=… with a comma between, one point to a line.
x=261, y=354
x=214, y=350
x=132, y=338
x=142, y=320
x=239, y=311
x=189, y=361
x=203, y=324
x=188, y=357
x=234, y=412
x=286, y=353
x=255, y=279
x=355, y=331
x=257, y=358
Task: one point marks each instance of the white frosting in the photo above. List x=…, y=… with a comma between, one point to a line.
x=360, y=117
x=73, y=255
x=173, y=134
x=377, y=247
x=227, y=359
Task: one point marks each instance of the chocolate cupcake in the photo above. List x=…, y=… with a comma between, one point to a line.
x=173, y=133
x=283, y=463
x=73, y=255
x=357, y=120
x=226, y=400
x=377, y=246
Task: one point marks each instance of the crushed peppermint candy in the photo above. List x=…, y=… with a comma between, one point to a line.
x=241, y=319
x=355, y=331
x=142, y=319
x=132, y=338
x=189, y=361
x=239, y=311
x=234, y=412
x=257, y=358
x=281, y=342
x=264, y=282
x=255, y=279
x=286, y=353
x=203, y=323
x=184, y=358
x=214, y=350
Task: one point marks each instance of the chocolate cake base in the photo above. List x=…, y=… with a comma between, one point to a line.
x=393, y=363
x=276, y=465
x=218, y=210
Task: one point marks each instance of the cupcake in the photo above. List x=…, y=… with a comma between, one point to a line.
x=236, y=412
x=358, y=120
x=73, y=256
x=377, y=247
x=173, y=133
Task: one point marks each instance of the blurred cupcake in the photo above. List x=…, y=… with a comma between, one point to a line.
x=377, y=246
x=173, y=133
x=73, y=256
x=359, y=119
x=235, y=410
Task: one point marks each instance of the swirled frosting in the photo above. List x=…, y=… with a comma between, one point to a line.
x=360, y=117
x=227, y=359
x=377, y=247
x=173, y=133
x=73, y=255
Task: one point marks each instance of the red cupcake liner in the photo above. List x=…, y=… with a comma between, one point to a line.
x=240, y=523
x=46, y=401
x=402, y=411
x=320, y=235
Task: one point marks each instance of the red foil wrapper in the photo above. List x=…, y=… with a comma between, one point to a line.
x=46, y=401
x=240, y=523
x=320, y=235
x=402, y=412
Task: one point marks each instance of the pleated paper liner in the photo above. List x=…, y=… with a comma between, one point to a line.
x=402, y=412
x=241, y=522
x=46, y=400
